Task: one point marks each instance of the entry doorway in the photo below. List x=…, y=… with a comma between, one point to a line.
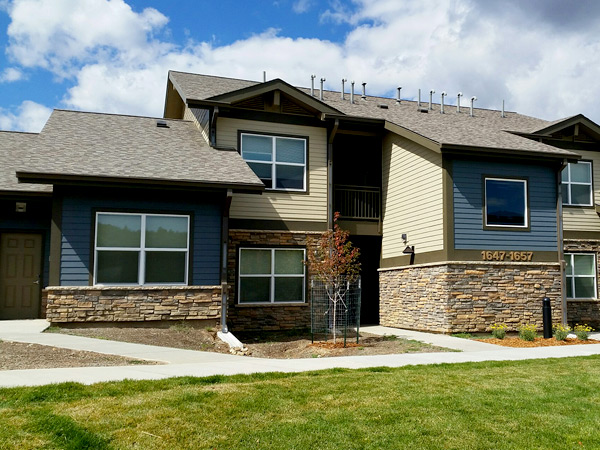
x=370, y=252
x=20, y=275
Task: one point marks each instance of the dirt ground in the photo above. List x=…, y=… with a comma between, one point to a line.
x=264, y=345
x=17, y=356
x=538, y=342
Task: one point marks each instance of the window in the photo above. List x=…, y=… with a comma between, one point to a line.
x=271, y=275
x=577, y=184
x=581, y=275
x=141, y=249
x=280, y=162
x=505, y=203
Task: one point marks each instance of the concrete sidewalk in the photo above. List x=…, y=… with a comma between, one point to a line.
x=194, y=363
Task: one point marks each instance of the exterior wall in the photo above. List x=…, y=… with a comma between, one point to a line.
x=469, y=232
x=201, y=118
x=298, y=206
x=264, y=317
x=133, y=304
x=468, y=297
x=585, y=218
x=78, y=221
x=584, y=310
x=412, y=197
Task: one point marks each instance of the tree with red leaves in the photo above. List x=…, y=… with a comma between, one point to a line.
x=333, y=260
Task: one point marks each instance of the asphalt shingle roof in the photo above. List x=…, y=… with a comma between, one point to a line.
x=487, y=129
x=15, y=149
x=83, y=144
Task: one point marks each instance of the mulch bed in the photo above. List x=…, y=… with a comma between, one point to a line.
x=538, y=342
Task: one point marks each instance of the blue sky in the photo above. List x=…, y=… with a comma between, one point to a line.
x=541, y=56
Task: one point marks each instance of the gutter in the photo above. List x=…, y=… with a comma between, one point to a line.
x=224, y=258
x=330, y=139
x=560, y=244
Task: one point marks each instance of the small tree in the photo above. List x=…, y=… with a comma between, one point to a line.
x=334, y=261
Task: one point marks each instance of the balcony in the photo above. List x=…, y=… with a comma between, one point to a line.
x=357, y=202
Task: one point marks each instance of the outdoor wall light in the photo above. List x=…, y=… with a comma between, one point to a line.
x=409, y=250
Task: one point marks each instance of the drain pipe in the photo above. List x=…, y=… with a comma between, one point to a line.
x=560, y=244
x=330, y=139
x=224, y=257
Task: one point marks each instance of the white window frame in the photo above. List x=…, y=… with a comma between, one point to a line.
x=525, y=200
x=569, y=183
x=272, y=275
x=274, y=163
x=141, y=250
x=571, y=278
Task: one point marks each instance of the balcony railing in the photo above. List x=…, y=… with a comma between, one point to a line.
x=357, y=202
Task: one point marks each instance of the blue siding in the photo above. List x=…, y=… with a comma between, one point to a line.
x=78, y=222
x=468, y=207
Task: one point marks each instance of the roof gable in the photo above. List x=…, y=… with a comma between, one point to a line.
x=577, y=126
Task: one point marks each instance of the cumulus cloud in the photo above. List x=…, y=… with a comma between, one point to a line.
x=527, y=53
x=10, y=74
x=30, y=116
x=301, y=6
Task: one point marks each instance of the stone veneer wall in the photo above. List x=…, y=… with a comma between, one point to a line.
x=588, y=310
x=264, y=317
x=133, y=304
x=468, y=296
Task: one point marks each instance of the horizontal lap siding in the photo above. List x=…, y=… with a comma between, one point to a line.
x=585, y=219
x=412, y=197
x=78, y=222
x=468, y=207
x=299, y=206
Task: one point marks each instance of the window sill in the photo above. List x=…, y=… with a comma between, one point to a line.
x=587, y=300
x=269, y=305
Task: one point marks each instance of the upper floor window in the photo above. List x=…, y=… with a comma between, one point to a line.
x=280, y=162
x=505, y=203
x=577, y=184
x=141, y=249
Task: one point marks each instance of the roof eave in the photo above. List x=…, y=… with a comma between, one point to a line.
x=570, y=156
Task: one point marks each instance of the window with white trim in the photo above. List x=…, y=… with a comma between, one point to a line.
x=577, y=184
x=280, y=162
x=505, y=203
x=141, y=249
x=581, y=275
x=271, y=275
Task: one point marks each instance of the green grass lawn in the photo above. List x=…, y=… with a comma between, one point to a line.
x=540, y=404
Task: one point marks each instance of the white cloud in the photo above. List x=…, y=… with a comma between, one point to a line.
x=30, y=116
x=10, y=74
x=119, y=63
x=301, y=6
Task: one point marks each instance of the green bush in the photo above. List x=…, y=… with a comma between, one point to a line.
x=528, y=332
x=561, y=331
x=499, y=330
x=582, y=331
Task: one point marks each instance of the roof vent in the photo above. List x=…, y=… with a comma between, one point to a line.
x=312, y=85
x=382, y=106
x=162, y=124
x=398, y=99
x=431, y=92
x=364, y=96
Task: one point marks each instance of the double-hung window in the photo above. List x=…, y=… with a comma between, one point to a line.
x=505, y=203
x=271, y=275
x=577, y=184
x=581, y=275
x=280, y=162
x=141, y=249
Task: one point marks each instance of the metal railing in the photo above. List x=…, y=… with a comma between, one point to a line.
x=357, y=202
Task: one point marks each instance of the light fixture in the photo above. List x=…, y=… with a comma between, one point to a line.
x=409, y=250
x=20, y=207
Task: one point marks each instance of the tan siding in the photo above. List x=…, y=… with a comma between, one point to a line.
x=201, y=120
x=412, y=197
x=311, y=206
x=585, y=219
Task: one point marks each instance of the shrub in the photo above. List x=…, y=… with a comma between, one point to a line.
x=582, y=331
x=528, y=332
x=499, y=330
x=561, y=331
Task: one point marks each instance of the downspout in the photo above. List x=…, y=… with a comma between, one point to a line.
x=332, y=134
x=213, y=126
x=561, y=252
x=224, y=257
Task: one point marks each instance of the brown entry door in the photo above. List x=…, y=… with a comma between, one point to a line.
x=20, y=270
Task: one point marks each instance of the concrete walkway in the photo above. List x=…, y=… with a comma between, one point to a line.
x=195, y=363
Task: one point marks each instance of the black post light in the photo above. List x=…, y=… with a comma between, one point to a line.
x=547, y=317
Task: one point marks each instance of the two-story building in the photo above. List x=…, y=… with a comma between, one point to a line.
x=464, y=216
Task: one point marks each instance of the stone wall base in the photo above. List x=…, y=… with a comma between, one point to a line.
x=584, y=312
x=132, y=304
x=468, y=297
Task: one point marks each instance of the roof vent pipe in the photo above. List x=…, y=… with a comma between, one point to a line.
x=503, y=114
x=264, y=76
x=312, y=85
x=398, y=99
x=472, y=101
x=352, y=92
x=321, y=92
x=442, y=105
x=343, y=81
x=431, y=92
x=458, y=96
x=364, y=96
x=419, y=101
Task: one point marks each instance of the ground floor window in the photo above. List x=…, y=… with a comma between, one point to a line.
x=271, y=275
x=581, y=275
x=141, y=249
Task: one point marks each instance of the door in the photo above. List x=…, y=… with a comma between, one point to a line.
x=370, y=252
x=20, y=271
